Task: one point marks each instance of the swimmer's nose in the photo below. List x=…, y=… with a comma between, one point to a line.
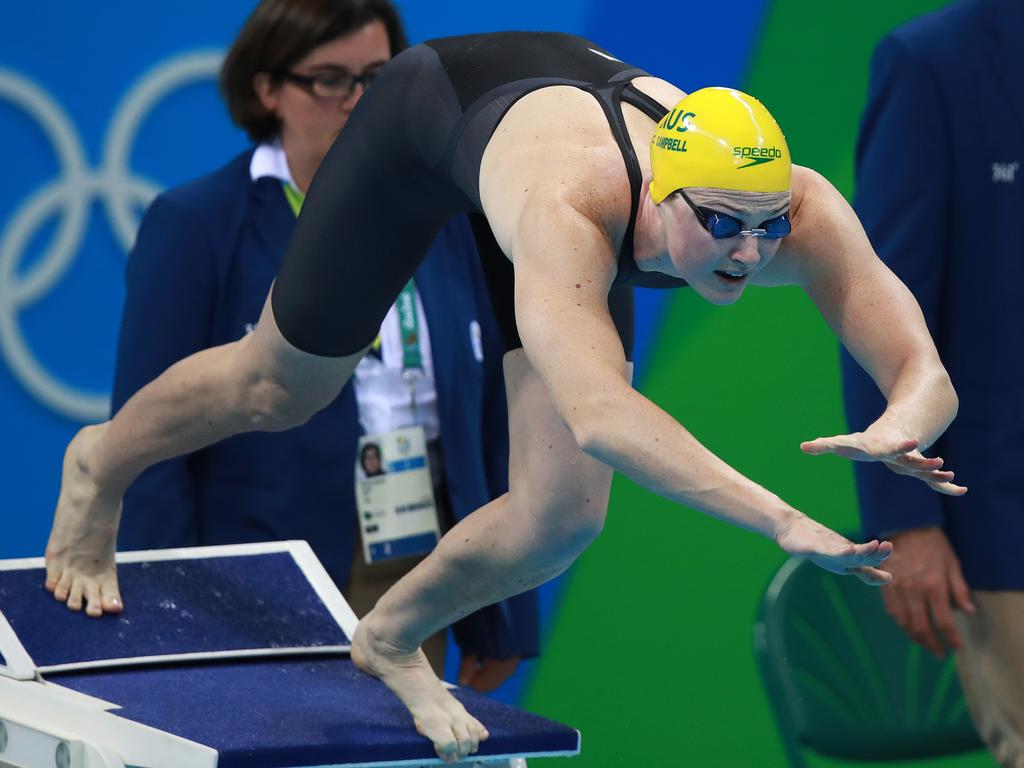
x=746, y=253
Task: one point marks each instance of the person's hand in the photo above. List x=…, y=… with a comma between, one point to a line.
x=484, y=674
x=804, y=537
x=927, y=587
x=892, y=448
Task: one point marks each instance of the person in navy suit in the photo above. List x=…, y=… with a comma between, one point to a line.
x=203, y=263
x=941, y=195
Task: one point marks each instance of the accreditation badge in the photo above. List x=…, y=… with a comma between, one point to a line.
x=395, y=495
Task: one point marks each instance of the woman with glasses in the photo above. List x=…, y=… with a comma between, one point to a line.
x=590, y=184
x=204, y=261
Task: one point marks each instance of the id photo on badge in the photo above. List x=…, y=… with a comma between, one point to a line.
x=371, y=461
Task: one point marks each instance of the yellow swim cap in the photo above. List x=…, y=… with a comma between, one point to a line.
x=719, y=137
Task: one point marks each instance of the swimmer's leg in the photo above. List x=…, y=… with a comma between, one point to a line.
x=556, y=506
x=260, y=382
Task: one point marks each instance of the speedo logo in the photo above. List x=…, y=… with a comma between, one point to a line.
x=756, y=155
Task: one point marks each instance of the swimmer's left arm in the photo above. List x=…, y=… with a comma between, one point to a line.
x=880, y=323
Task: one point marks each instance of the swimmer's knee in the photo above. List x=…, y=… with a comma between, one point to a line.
x=275, y=392
x=273, y=406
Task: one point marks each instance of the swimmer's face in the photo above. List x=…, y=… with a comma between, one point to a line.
x=719, y=270
x=312, y=116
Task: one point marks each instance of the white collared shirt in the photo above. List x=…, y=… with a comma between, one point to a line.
x=384, y=397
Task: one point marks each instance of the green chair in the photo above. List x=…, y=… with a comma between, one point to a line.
x=844, y=680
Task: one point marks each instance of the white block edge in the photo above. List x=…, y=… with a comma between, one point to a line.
x=153, y=555
x=20, y=665
x=496, y=760
x=325, y=587
x=48, y=712
x=203, y=656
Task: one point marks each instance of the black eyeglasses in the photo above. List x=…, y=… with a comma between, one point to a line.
x=722, y=225
x=331, y=84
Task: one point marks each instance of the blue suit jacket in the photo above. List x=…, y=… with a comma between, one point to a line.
x=202, y=265
x=940, y=189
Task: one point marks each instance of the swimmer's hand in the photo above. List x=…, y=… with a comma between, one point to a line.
x=887, y=446
x=804, y=537
x=80, y=568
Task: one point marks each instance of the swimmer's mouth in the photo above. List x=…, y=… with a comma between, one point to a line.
x=732, y=277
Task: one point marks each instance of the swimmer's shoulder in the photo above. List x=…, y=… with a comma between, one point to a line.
x=554, y=148
x=793, y=261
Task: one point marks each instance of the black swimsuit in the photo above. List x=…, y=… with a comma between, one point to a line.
x=409, y=159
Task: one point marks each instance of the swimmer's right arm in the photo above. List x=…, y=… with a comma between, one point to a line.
x=564, y=265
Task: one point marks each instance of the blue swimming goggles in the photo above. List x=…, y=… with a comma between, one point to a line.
x=722, y=225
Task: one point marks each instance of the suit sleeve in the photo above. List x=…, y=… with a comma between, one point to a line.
x=902, y=199
x=170, y=289
x=511, y=627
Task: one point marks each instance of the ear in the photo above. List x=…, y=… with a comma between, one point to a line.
x=266, y=90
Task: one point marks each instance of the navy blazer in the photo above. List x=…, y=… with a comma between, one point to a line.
x=940, y=189
x=199, y=273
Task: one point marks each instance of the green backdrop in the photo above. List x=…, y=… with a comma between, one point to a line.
x=651, y=653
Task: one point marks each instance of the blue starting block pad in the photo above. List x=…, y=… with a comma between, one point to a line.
x=224, y=657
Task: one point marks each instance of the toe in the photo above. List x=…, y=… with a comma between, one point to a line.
x=63, y=588
x=464, y=740
x=75, y=595
x=93, y=604
x=110, y=597
x=53, y=571
x=448, y=751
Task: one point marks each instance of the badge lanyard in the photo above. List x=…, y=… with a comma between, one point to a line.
x=409, y=329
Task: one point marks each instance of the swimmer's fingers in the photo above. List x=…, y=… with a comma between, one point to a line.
x=860, y=560
x=841, y=445
x=805, y=537
x=869, y=554
x=915, y=461
x=928, y=471
x=899, y=454
x=947, y=488
x=876, y=577
x=861, y=446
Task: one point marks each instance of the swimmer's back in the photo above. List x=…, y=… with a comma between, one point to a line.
x=545, y=108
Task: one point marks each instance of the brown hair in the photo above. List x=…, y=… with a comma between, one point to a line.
x=281, y=32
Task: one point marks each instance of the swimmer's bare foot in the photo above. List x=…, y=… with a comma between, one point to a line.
x=805, y=537
x=437, y=714
x=80, y=553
